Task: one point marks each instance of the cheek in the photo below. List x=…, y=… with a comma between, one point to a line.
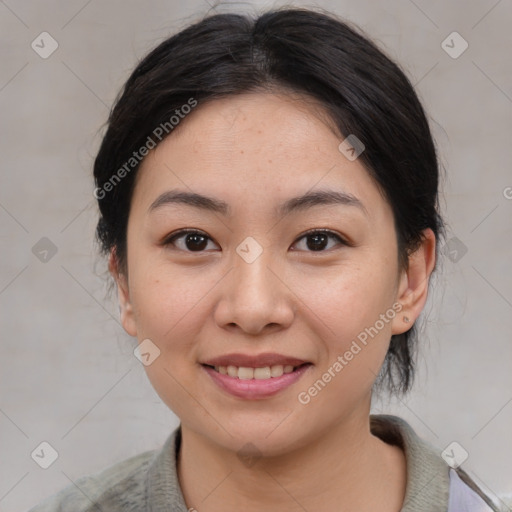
x=356, y=337
x=348, y=298
x=165, y=302
x=356, y=313
x=170, y=310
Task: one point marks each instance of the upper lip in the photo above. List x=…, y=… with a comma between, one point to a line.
x=256, y=361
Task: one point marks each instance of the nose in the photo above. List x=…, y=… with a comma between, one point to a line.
x=255, y=297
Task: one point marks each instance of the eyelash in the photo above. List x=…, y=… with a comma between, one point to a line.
x=179, y=234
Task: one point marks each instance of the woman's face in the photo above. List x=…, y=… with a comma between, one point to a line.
x=252, y=282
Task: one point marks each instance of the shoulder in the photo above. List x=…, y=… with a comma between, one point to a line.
x=431, y=483
x=466, y=495
x=119, y=487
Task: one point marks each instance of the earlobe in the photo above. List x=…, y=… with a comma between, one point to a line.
x=413, y=288
x=123, y=292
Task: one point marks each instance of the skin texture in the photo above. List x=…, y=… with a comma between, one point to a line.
x=255, y=151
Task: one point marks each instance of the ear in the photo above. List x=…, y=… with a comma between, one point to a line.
x=413, y=287
x=123, y=292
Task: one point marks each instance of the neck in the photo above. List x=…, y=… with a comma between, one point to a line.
x=345, y=468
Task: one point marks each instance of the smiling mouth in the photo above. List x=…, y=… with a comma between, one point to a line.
x=261, y=373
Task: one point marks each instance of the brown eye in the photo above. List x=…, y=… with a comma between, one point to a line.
x=318, y=240
x=189, y=240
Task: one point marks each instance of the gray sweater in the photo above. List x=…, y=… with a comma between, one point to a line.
x=149, y=481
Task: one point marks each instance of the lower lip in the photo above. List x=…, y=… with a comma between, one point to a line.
x=254, y=389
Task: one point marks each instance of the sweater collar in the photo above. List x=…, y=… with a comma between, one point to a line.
x=428, y=478
x=427, y=487
x=163, y=488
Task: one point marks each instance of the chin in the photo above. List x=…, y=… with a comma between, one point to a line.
x=259, y=439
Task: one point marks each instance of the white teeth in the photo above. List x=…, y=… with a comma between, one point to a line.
x=263, y=373
x=276, y=371
x=245, y=373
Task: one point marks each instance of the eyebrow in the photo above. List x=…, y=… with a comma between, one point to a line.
x=294, y=204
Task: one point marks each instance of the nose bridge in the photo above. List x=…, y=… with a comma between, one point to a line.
x=252, y=278
x=254, y=297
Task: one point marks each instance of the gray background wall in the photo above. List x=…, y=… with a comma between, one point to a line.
x=68, y=375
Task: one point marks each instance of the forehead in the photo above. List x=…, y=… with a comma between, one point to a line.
x=255, y=149
x=262, y=122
